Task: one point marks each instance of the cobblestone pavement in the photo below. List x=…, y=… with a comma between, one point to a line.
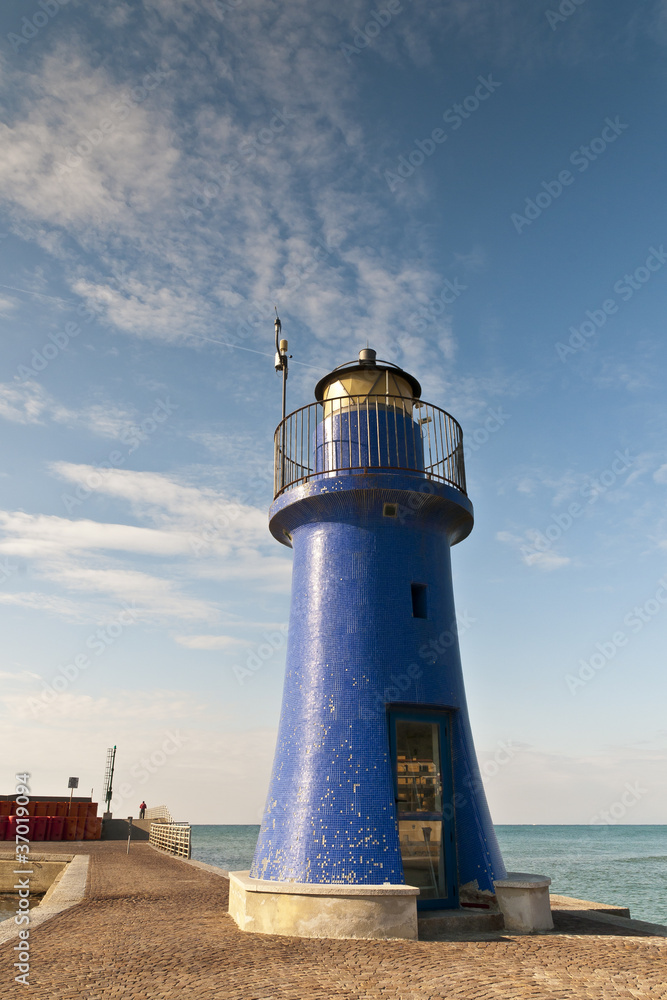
x=152, y=927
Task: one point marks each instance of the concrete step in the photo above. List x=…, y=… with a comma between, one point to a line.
x=440, y=925
x=573, y=904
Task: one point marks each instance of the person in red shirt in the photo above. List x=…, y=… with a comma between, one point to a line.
x=142, y=810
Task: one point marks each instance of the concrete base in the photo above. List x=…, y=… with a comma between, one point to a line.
x=524, y=902
x=43, y=872
x=67, y=889
x=299, y=909
x=574, y=905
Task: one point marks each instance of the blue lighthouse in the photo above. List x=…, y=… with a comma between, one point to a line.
x=375, y=780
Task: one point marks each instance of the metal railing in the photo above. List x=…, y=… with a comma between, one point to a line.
x=367, y=433
x=171, y=837
x=159, y=812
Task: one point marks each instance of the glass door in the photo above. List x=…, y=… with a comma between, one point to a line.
x=423, y=790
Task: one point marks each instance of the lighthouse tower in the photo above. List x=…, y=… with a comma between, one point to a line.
x=375, y=796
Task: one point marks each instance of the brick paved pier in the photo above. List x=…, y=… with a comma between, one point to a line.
x=153, y=927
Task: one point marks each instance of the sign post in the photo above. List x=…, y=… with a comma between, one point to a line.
x=71, y=784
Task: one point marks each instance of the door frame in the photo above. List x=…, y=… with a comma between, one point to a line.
x=442, y=717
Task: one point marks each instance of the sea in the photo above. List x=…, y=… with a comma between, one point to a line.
x=621, y=865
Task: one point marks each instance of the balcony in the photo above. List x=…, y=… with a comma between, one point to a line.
x=353, y=435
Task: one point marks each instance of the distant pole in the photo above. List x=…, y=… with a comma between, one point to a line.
x=129, y=833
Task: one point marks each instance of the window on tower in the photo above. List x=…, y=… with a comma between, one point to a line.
x=419, y=600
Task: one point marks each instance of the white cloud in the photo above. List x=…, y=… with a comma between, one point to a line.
x=562, y=486
x=197, y=534
x=132, y=157
x=149, y=707
x=202, y=512
x=546, y=561
x=149, y=595
x=27, y=402
x=535, y=550
x=109, y=420
x=61, y=607
x=42, y=535
x=138, y=185
x=147, y=311
x=23, y=676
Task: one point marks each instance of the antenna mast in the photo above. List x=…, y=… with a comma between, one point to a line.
x=281, y=359
x=108, y=777
x=281, y=364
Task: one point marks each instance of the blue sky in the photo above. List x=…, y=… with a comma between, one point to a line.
x=474, y=189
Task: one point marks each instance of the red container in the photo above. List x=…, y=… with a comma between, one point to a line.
x=20, y=828
x=10, y=833
x=57, y=828
x=92, y=810
x=5, y=807
x=80, y=827
x=40, y=809
x=38, y=828
x=60, y=809
x=70, y=828
x=3, y=826
x=94, y=828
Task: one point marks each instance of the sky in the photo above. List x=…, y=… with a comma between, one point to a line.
x=476, y=191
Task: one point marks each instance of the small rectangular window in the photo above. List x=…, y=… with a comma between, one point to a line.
x=419, y=600
x=390, y=510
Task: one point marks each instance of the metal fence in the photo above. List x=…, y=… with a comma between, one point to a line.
x=367, y=433
x=159, y=812
x=171, y=837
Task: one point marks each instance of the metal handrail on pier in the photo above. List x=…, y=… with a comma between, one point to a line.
x=159, y=812
x=363, y=433
x=174, y=838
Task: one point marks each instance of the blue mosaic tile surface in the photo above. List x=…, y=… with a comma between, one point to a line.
x=354, y=649
x=369, y=437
